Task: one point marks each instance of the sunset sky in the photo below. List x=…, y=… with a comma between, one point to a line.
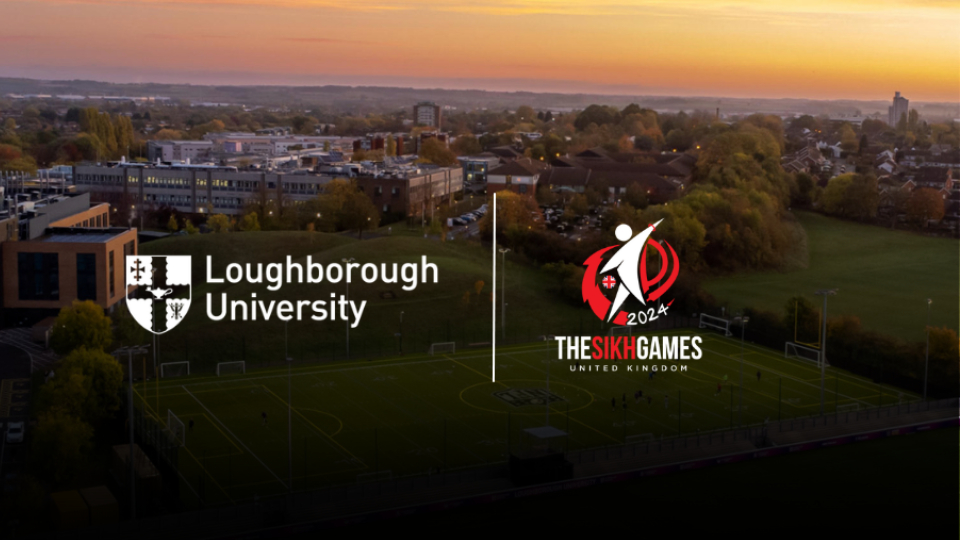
x=861, y=49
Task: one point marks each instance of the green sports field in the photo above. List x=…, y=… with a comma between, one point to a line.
x=884, y=277
x=364, y=420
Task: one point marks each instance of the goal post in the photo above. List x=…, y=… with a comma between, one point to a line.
x=443, y=347
x=621, y=330
x=174, y=369
x=803, y=352
x=177, y=428
x=231, y=368
x=717, y=323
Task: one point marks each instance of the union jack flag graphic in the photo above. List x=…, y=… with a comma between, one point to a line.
x=609, y=282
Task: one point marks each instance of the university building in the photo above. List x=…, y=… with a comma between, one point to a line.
x=59, y=249
x=201, y=189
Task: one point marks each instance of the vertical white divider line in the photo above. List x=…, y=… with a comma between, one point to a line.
x=493, y=304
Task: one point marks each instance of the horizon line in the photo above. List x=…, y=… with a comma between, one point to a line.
x=428, y=87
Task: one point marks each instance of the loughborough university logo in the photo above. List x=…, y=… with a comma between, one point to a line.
x=158, y=290
x=624, y=273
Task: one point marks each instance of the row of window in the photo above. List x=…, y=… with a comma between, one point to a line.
x=39, y=274
x=378, y=191
x=99, y=179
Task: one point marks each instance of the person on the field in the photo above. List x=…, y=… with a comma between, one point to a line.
x=264, y=416
x=666, y=401
x=613, y=403
x=758, y=375
x=191, y=424
x=719, y=389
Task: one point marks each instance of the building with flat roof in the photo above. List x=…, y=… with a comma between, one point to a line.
x=899, y=108
x=427, y=113
x=196, y=189
x=169, y=151
x=412, y=192
x=193, y=189
x=520, y=176
x=66, y=264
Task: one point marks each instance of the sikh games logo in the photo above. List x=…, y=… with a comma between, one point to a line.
x=624, y=272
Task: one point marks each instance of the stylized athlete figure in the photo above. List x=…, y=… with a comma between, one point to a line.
x=626, y=261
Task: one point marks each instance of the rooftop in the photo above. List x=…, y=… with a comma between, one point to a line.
x=81, y=235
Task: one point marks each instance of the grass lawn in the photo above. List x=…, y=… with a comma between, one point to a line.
x=884, y=277
x=416, y=413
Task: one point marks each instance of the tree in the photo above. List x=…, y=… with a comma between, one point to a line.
x=83, y=324
x=598, y=115
x=805, y=189
x=391, y=150
x=578, y=205
x=250, y=222
x=546, y=196
x=862, y=197
x=172, y=224
x=848, y=139
x=434, y=151
x=466, y=145
x=835, y=194
x=515, y=216
x=525, y=114
x=358, y=212
x=219, y=223
x=86, y=384
x=636, y=196
x=60, y=443
x=925, y=205
x=188, y=226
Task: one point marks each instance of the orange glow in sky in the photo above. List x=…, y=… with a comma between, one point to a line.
x=860, y=49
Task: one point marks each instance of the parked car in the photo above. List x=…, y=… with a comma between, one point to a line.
x=458, y=221
x=15, y=432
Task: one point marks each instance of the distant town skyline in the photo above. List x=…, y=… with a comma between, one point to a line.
x=848, y=49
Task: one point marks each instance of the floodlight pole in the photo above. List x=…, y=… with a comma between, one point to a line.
x=823, y=346
x=289, y=429
x=926, y=361
x=503, y=304
x=743, y=329
x=133, y=491
x=140, y=349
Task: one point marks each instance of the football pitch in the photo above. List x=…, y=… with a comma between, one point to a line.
x=367, y=420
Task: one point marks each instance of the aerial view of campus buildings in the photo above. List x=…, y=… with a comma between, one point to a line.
x=304, y=283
